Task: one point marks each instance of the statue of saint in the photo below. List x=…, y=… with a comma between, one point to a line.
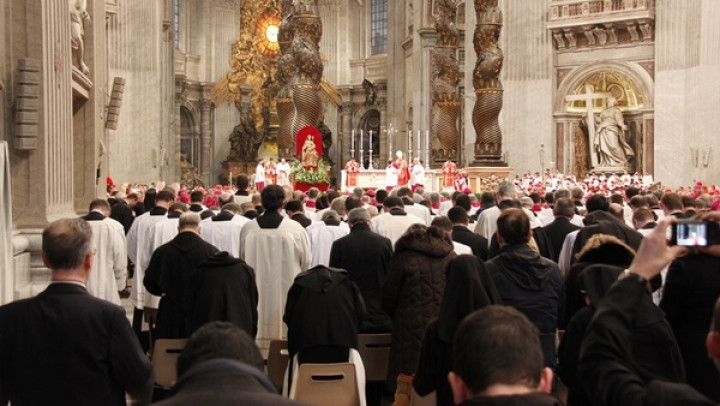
x=609, y=138
x=309, y=155
x=78, y=15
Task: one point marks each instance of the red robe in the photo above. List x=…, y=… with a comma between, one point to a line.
x=449, y=170
x=403, y=171
x=352, y=168
x=270, y=174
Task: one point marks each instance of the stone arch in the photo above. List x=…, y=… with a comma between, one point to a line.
x=635, y=72
x=571, y=155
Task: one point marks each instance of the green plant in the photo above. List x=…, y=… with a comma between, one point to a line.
x=321, y=174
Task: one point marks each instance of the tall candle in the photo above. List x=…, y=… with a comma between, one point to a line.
x=370, y=147
x=418, y=143
x=427, y=147
x=352, y=139
x=361, y=143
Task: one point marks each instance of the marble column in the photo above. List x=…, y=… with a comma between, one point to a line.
x=205, y=140
x=7, y=280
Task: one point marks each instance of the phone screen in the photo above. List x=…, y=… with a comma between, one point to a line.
x=691, y=234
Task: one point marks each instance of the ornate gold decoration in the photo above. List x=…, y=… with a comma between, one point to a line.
x=249, y=64
x=486, y=81
x=267, y=31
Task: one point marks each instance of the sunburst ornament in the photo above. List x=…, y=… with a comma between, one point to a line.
x=268, y=27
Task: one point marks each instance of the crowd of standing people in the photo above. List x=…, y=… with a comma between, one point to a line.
x=429, y=268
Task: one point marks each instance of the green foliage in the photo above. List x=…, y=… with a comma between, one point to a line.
x=321, y=174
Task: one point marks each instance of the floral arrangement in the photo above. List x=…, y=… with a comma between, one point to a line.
x=321, y=174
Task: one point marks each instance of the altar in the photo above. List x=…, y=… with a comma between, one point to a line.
x=375, y=179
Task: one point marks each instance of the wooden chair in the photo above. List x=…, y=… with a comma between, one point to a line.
x=277, y=362
x=327, y=385
x=374, y=350
x=164, y=361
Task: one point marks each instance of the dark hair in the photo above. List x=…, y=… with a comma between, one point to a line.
x=442, y=223
x=294, y=206
x=219, y=339
x=458, y=215
x=196, y=196
x=352, y=202
x=597, y=202
x=672, y=201
x=564, y=207
x=380, y=195
x=497, y=345
x=487, y=199
x=405, y=192
x=550, y=197
x=464, y=202
x=638, y=201
x=99, y=204
x=150, y=196
x=616, y=198
x=393, y=201
x=178, y=206
x=643, y=215
x=508, y=204
x=514, y=226
x=66, y=242
x=631, y=191
x=164, y=196
x=535, y=197
x=273, y=197
x=242, y=181
x=688, y=201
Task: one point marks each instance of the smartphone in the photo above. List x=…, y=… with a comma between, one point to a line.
x=695, y=233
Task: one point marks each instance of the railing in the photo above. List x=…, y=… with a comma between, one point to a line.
x=561, y=9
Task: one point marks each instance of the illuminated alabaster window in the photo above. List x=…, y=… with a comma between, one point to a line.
x=268, y=26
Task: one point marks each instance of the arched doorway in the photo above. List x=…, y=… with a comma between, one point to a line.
x=370, y=121
x=189, y=138
x=632, y=89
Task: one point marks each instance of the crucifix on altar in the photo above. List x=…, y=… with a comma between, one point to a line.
x=589, y=97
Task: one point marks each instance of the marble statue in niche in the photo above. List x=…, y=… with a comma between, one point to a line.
x=78, y=16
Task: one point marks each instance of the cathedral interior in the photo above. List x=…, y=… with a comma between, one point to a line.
x=194, y=90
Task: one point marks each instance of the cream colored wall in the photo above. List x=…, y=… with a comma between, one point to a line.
x=687, y=91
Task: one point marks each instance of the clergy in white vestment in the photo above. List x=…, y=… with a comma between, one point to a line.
x=418, y=210
x=278, y=248
x=167, y=229
x=395, y=221
x=418, y=174
x=223, y=231
x=140, y=246
x=391, y=176
x=322, y=237
x=109, y=267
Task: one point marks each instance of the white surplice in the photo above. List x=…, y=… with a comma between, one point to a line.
x=321, y=241
x=109, y=267
x=224, y=235
x=278, y=255
x=393, y=226
x=141, y=243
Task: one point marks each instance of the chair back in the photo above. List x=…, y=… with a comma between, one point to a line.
x=277, y=362
x=164, y=361
x=327, y=385
x=374, y=350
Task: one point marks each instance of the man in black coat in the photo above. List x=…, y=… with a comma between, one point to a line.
x=168, y=275
x=366, y=257
x=224, y=289
x=222, y=366
x=564, y=210
x=605, y=367
x=462, y=234
x=122, y=212
x=525, y=280
x=66, y=347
